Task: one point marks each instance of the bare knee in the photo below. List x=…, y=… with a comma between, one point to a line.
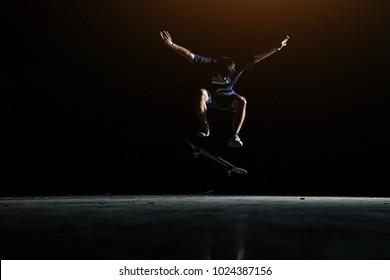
x=239, y=103
x=202, y=95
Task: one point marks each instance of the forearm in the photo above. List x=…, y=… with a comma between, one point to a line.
x=188, y=55
x=264, y=55
x=260, y=57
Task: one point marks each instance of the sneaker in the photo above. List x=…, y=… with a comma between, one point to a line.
x=235, y=142
x=204, y=130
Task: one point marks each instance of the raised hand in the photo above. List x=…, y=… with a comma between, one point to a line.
x=284, y=43
x=167, y=39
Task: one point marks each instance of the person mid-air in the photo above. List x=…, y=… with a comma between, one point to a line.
x=219, y=93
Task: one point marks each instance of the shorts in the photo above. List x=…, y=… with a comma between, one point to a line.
x=222, y=99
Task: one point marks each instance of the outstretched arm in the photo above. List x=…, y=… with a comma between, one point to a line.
x=260, y=57
x=188, y=55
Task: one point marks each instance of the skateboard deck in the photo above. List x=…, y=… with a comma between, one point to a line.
x=229, y=167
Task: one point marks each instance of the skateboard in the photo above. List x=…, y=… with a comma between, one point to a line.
x=229, y=167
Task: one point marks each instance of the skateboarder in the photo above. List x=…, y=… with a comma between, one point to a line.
x=219, y=93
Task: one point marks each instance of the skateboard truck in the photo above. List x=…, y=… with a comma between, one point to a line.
x=196, y=153
x=229, y=172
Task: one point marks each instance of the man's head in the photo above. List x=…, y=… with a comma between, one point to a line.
x=224, y=71
x=226, y=66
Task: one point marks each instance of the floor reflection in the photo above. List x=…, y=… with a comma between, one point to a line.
x=195, y=227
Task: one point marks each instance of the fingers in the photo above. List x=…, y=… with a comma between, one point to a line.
x=168, y=36
x=165, y=36
x=284, y=42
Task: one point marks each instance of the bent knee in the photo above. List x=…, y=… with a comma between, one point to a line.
x=239, y=102
x=202, y=94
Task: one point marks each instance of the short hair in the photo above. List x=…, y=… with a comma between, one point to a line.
x=226, y=66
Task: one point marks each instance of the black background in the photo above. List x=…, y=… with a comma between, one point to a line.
x=93, y=103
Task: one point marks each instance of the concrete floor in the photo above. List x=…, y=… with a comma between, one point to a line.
x=195, y=227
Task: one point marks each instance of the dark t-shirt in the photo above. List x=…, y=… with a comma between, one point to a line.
x=208, y=65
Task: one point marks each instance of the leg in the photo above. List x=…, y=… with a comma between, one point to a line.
x=200, y=105
x=239, y=106
x=201, y=110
